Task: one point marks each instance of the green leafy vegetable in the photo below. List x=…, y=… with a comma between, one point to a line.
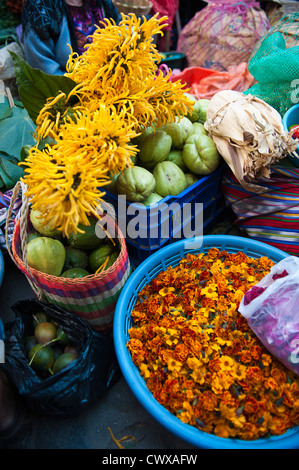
x=16, y=131
x=36, y=86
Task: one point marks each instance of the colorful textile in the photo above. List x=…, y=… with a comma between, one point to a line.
x=48, y=33
x=166, y=8
x=84, y=20
x=271, y=217
x=4, y=205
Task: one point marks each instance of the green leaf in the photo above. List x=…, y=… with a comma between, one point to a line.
x=2, y=185
x=10, y=173
x=8, y=157
x=8, y=35
x=16, y=131
x=5, y=110
x=24, y=152
x=36, y=86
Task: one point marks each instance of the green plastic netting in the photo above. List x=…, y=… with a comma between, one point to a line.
x=274, y=64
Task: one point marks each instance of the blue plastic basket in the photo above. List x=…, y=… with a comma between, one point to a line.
x=165, y=222
x=291, y=118
x=148, y=270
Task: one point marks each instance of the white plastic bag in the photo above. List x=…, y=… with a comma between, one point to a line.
x=6, y=63
x=272, y=311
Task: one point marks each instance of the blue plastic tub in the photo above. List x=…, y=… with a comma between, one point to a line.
x=171, y=255
x=291, y=118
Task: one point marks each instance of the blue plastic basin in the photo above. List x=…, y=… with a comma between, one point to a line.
x=143, y=274
x=291, y=118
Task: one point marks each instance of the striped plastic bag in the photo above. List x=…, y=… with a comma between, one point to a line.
x=93, y=298
x=272, y=216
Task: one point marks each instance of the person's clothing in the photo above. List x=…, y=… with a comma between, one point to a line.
x=49, y=30
x=1, y=330
x=84, y=21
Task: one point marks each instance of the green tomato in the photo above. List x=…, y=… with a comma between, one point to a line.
x=200, y=154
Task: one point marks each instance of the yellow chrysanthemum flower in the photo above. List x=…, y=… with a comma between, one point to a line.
x=54, y=112
x=64, y=189
x=102, y=136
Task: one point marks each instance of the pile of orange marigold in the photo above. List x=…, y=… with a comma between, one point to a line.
x=198, y=356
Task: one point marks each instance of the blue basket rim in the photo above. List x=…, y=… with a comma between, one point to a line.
x=285, y=118
x=288, y=112
x=136, y=383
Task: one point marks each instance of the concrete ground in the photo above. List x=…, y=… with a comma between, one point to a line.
x=118, y=409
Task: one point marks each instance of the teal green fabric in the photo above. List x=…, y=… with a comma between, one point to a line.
x=276, y=70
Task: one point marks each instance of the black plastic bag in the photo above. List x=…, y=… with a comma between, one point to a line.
x=80, y=383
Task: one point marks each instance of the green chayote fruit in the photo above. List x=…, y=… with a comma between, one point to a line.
x=179, y=131
x=170, y=179
x=154, y=148
x=135, y=183
x=199, y=128
x=46, y=255
x=176, y=156
x=196, y=111
x=152, y=199
x=203, y=106
x=200, y=154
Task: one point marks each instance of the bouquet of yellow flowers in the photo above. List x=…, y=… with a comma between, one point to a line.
x=84, y=132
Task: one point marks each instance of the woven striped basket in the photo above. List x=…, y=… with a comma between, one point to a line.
x=93, y=298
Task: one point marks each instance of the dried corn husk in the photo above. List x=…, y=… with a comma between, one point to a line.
x=249, y=135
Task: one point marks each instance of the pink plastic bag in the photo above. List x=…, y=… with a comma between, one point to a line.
x=204, y=83
x=272, y=311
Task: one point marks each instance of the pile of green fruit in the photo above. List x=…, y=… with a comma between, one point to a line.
x=48, y=348
x=170, y=159
x=77, y=256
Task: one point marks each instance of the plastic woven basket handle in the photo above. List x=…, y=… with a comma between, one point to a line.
x=21, y=187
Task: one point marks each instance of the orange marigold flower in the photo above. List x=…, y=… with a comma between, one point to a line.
x=254, y=374
x=226, y=363
x=181, y=352
x=208, y=401
x=251, y=406
x=166, y=290
x=256, y=352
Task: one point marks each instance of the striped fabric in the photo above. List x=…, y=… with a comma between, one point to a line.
x=271, y=217
x=92, y=298
x=4, y=205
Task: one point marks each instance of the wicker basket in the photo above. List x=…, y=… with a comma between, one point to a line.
x=93, y=298
x=139, y=7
